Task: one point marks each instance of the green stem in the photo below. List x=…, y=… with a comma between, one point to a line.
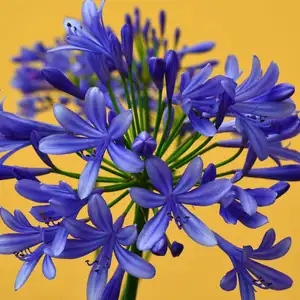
x=177, y=153
x=229, y=160
x=118, y=199
x=118, y=187
x=146, y=109
x=134, y=133
x=173, y=134
x=128, y=208
x=141, y=107
x=231, y=172
x=131, y=286
x=135, y=112
x=158, y=115
x=191, y=155
x=163, y=138
x=122, y=174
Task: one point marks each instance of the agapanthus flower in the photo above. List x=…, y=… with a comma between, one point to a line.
x=111, y=238
x=48, y=240
x=249, y=272
x=81, y=135
x=171, y=201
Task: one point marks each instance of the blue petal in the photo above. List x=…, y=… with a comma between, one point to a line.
x=190, y=177
x=24, y=273
x=256, y=137
x=120, y=124
x=15, y=242
x=202, y=125
x=263, y=196
x=57, y=79
x=113, y=288
x=232, y=69
x=197, y=80
x=207, y=194
x=229, y=281
x=78, y=248
x=96, y=283
x=278, y=280
x=73, y=123
x=125, y=159
x=59, y=242
x=249, y=162
x=31, y=189
x=277, y=251
x=268, y=240
x=280, y=188
x=95, y=108
x=196, y=229
x=161, y=247
x=100, y=213
x=81, y=230
x=127, y=235
x=89, y=10
x=160, y=175
x=284, y=153
x=133, y=264
x=246, y=288
x=44, y=213
x=247, y=201
x=35, y=139
x=209, y=174
x=49, y=268
x=153, y=230
x=88, y=178
x=14, y=223
x=146, y=198
x=65, y=144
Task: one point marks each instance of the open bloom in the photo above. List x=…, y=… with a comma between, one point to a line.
x=172, y=199
x=249, y=272
x=110, y=237
x=49, y=241
x=83, y=136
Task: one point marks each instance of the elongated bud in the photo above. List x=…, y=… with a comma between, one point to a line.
x=99, y=65
x=157, y=68
x=146, y=30
x=116, y=52
x=176, y=249
x=144, y=144
x=162, y=22
x=177, y=37
x=128, y=19
x=127, y=43
x=137, y=15
x=172, y=66
x=199, y=48
x=280, y=188
x=62, y=83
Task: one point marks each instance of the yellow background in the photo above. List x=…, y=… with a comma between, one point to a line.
x=269, y=29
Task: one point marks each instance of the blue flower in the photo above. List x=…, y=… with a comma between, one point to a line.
x=31, y=55
x=144, y=144
x=58, y=201
x=82, y=136
x=253, y=100
x=49, y=241
x=108, y=236
x=172, y=199
x=249, y=272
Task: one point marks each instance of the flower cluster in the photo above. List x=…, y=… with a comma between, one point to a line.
x=141, y=115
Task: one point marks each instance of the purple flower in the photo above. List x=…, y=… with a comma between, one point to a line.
x=37, y=53
x=127, y=43
x=172, y=67
x=157, y=68
x=48, y=241
x=108, y=236
x=162, y=22
x=251, y=273
x=176, y=249
x=199, y=48
x=172, y=199
x=82, y=136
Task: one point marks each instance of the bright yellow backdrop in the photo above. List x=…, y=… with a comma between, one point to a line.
x=269, y=29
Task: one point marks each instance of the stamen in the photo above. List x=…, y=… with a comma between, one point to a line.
x=96, y=262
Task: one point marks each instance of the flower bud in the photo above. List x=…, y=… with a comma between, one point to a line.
x=127, y=43
x=176, y=249
x=172, y=66
x=157, y=68
x=161, y=247
x=144, y=144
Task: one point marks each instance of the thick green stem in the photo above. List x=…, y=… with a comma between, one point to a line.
x=119, y=187
x=146, y=109
x=131, y=286
x=141, y=107
x=118, y=199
